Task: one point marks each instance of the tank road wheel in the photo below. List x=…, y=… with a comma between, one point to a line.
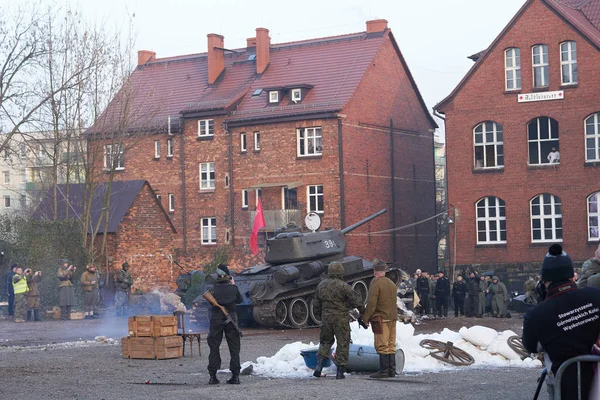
x=311, y=309
x=361, y=288
x=394, y=276
x=515, y=343
x=280, y=312
x=298, y=312
x=447, y=353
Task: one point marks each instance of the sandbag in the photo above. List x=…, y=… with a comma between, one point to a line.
x=477, y=335
x=500, y=346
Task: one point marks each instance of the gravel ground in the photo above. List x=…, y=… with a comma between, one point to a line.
x=48, y=358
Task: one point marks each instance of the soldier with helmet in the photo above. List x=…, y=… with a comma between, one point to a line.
x=89, y=285
x=66, y=294
x=334, y=298
x=123, y=285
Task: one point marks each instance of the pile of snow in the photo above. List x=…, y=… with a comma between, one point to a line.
x=98, y=341
x=487, y=346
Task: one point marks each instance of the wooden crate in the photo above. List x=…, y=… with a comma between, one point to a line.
x=76, y=315
x=152, y=348
x=152, y=325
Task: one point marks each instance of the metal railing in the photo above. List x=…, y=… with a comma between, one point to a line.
x=277, y=218
x=588, y=359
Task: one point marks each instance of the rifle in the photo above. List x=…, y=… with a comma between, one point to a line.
x=213, y=302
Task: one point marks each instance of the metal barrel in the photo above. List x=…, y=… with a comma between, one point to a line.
x=363, y=221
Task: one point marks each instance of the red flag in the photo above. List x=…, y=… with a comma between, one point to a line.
x=259, y=222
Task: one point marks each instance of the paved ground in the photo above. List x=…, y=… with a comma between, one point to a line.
x=34, y=355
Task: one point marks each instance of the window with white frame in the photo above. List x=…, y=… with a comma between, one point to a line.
x=244, y=198
x=6, y=176
x=206, y=128
x=6, y=201
x=540, y=65
x=546, y=218
x=274, y=96
x=243, y=144
x=593, y=216
x=309, y=142
x=568, y=62
x=209, y=230
x=592, y=137
x=114, y=156
x=315, y=198
x=157, y=149
x=171, y=202
x=256, y=141
x=491, y=220
x=296, y=95
x=169, y=147
x=512, y=68
x=542, y=136
x=207, y=176
x=489, y=147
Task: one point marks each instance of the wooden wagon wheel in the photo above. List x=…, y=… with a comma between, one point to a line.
x=515, y=343
x=447, y=353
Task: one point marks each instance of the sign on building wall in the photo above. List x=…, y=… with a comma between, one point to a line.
x=542, y=96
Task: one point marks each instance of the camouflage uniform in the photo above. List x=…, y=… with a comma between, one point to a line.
x=123, y=286
x=334, y=298
x=499, y=297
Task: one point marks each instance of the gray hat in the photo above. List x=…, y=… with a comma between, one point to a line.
x=495, y=278
x=379, y=265
x=335, y=268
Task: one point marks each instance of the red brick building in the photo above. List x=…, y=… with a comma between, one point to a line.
x=333, y=125
x=523, y=141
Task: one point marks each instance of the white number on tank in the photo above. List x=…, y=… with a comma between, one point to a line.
x=330, y=244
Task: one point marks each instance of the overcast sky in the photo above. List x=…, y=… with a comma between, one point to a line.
x=435, y=36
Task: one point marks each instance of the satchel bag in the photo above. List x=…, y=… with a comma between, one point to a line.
x=376, y=325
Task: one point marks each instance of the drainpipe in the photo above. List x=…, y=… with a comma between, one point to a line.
x=392, y=167
x=182, y=174
x=231, y=191
x=341, y=168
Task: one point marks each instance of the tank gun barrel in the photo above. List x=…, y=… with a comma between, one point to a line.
x=363, y=221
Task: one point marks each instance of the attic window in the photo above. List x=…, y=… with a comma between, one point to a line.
x=274, y=96
x=252, y=57
x=257, y=92
x=296, y=95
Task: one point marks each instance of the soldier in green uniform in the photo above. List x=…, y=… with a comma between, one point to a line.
x=482, y=287
x=66, y=294
x=123, y=286
x=19, y=281
x=334, y=298
x=33, y=294
x=499, y=297
x=89, y=285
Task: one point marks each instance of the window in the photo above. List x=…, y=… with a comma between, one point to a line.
x=6, y=153
x=23, y=150
x=289, y=199
x=23, y=201
x=171, y=202
x=296, y=95
x=169, y=147
x=593, y=216
x=6, y=176
x=157, y=149
x=309, y=142
x=546, y=218
x=489, y=148
x=256, y=141
x=114, y=156
x=206, y=128
x=568, y=62
x=243, y=145
x=315, y=198
x=491, y=221
x=512, y=68
x=6, y=201
x=257, y=195
x=209, y=230
x=592, y=137
x=244, y=198
x=273, y=96
x=540, y=65
x=543, y=139
x=207, y=176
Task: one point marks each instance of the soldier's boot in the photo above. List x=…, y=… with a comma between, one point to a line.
x=63, y=313
x=36, y=315
x=29, y=317
x=213, y=380
x=392, y=367
x=68, y=316
x=339, y=374
x=384, y=366
x=234, y=380
x=319, y=367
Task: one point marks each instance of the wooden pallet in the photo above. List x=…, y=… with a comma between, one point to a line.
x=152, y=325
x=159, y=348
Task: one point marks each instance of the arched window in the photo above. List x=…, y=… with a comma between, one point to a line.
x=539, y=55
x=592, y=137
x=491, y=220
x=542, y=134
x=568, y=63
x=593, y=216
x=489, y=148
x=512, y=68
x=546, y=218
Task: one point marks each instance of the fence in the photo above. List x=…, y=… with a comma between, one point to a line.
x=588, y=359
x=278, y=218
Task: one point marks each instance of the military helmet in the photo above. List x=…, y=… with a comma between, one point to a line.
x=495, y=278
x=335, y=268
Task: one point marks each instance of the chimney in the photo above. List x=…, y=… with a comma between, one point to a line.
x=377, y=25
x=216, y=57
x=251, y=42
x=263, y=48
x=144, y=56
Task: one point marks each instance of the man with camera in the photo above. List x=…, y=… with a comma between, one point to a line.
x=66, y=295
x=89, y=285
x=19, y=282
x=33, y=294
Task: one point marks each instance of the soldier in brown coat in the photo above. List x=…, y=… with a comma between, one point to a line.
x=89, y=285
x=33, y=294
x=66, y=294
x=382, y=314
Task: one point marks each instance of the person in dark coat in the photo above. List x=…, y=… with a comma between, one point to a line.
x=459, y=291
x=474, y=290
x=565, y=325
x=227, y=294
x=10, y=293
x=442, y=294
x=423, y=292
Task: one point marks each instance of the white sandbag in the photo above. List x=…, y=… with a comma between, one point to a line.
x=477, y=335
x=500, y=346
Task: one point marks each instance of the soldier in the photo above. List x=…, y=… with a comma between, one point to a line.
x=89, y=285
x=589, y=268
x=334, y=298
x=459, y=291
x=123, y=286
x=19, y=282
x=382, y=314
x=33, y=294
x=227, y=294
x=473, y=289
x=66, y=295
x=9, y=289
x=432, y=304
x=531, y=295
x=499, y=297
x=483, y=285
x=442, y=292
x=423, y=292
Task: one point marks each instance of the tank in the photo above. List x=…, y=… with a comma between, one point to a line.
x=280, y=293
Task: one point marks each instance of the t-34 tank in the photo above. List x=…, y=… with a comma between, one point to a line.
x=281, y=292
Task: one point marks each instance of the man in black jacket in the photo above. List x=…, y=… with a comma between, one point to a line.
x=473, y=289
x=566, y=324
x=10, y=292
x=227, y=295
x=442, y=293
x=423, y=292
x=459, y=291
